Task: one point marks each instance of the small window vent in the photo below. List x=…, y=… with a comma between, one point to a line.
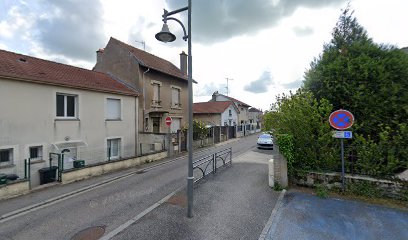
x=22, y=60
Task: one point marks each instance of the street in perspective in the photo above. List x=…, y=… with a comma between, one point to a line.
x=203, y=120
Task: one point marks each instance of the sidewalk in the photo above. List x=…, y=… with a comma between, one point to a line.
x=235, y=203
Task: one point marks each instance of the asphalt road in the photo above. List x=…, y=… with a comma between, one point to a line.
x=109, y=205
x=305, y=216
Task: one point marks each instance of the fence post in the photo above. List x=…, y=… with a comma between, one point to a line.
x=29, y=173
x=25, y=168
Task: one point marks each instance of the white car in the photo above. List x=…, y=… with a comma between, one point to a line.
x=265, y=141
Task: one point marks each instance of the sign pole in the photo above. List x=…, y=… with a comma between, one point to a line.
x=168, y=141
x=341, y=120
x=342, y=165
x=169, y=120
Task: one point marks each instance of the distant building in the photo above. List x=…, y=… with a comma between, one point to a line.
x=405, y=49
x=218, y=113
x=255, y=117
x=243, y=116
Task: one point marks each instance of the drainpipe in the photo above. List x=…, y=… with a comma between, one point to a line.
x=144, y=97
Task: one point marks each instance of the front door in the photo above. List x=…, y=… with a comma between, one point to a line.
x=156, y=124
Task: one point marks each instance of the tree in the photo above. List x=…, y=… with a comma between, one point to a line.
x=302, y=131
x=370, y=80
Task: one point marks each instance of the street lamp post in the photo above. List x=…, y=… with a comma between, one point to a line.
x=166, y=36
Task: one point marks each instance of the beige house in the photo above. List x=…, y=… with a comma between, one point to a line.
x=164, y=86
x=48, y=107
x=216, y=113
x=255, y=117
x=243, y=114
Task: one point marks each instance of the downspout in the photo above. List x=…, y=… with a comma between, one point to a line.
x=144, y=98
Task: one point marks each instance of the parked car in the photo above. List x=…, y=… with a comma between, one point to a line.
x=265, y=141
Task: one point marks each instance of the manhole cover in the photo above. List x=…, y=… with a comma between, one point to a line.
x=91, y=233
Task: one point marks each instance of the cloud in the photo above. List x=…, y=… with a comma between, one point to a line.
x=71, y=28
x=303, y=31
x=220, y=20
x=261, y=84
x=293, y=85
x=209, y=89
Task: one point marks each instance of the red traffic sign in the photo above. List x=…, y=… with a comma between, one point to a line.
x=168, y=121
x=341, y=119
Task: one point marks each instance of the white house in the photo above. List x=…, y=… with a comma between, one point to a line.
x=216, y=113
x=243, y=116
x=48, y=107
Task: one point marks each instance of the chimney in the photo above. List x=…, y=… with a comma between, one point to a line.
x=99, y=55
x=214, y=96
x=183, y=62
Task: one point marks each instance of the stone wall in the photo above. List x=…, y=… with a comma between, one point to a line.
x=396, y=189
x=14, y=188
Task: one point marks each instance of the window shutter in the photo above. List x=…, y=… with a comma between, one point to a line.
x=113, y=109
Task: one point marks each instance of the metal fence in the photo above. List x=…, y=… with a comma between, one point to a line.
x=209, y=164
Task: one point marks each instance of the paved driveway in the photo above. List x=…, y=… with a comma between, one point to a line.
x=305, y=216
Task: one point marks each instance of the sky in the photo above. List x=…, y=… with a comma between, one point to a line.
x=262, y=46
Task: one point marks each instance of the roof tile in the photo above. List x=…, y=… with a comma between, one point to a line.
x=26, y=68
x=211, y=107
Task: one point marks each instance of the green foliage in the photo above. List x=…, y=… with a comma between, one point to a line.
x=366, y=189
x=200, y=131
x=371, y=81
x=302, y=132
x=277, y=187
x=322, y=191
x=286, y=148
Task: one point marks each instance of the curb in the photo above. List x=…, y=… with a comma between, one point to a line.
x=275, y=210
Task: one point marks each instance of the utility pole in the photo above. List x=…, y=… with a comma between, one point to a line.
x=228, y=79
x=143, y=43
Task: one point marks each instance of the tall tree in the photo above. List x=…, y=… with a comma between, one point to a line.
x=354, y=73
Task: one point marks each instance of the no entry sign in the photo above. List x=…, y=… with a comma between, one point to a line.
x=168, y=121
x=341, y=119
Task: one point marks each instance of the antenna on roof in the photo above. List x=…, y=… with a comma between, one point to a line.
x=228, y=79
x=143, y=43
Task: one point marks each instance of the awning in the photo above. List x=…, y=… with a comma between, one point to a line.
x=69, y=144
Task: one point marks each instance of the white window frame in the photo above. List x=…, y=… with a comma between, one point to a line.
x=178, y=103
x=109, y=145
x=119, y=116
x=40, y=152
x=156, y=102
x=65, y=106
x=11, y=156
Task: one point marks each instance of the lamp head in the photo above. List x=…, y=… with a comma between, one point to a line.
x=165, y=35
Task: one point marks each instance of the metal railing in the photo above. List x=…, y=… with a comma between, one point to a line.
x=210, y=163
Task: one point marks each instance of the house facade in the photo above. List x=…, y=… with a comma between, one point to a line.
x=48, y=107
x=255, y=117
x=163, y=86
x=220, y=113
x=243, y=113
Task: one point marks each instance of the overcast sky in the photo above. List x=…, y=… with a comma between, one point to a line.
x=265, y=46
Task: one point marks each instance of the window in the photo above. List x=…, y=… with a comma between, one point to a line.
x=175, y=97
x=175, y=125
x=113, y=109
x=230, y=113
x=156, y=94
x=113, y=148
x=6, y=156
x=36, y=153
x=156, y=124
x=66, y=105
